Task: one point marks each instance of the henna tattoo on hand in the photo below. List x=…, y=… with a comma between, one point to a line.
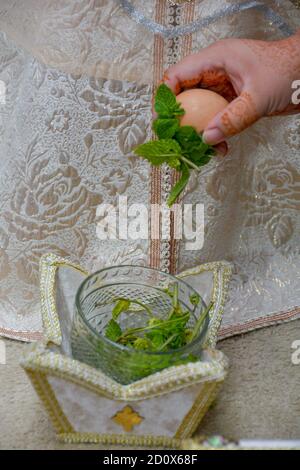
x=240, y=116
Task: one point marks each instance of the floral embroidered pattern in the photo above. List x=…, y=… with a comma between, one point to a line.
x=292, y=136
x=275, y=192
x=70, y=151
x=116, y=109
x=60, y=119
x=53, y=202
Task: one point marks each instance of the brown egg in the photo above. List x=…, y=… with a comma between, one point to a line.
x=200, y=107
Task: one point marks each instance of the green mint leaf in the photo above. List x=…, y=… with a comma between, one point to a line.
x=175, y=163
x=179, y=186
x=141, y=344
x=165, y=128
x=121, y=306
x=201, y=161
x=157, y=339
x=195, y=299
x=165, y=104
x=193, y=146
x=187, y=134
x=188, y=334
x=165, y=100
x=113, y=330
x=178, y=110
x=160, y=151
x=199, y=153
x=127, y=340
x=166, y=95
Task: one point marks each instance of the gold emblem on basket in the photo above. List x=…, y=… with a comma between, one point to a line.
x=127, y=418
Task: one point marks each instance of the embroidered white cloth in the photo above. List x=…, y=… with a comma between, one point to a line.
x=76, y=84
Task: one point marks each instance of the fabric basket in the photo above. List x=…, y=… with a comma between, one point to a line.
x=87, y=406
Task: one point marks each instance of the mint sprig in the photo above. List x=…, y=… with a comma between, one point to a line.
x=158, y=152
x=175, y=330
x=165, y=128
x=166, y=104
x=113, y=330
x=180, y=147
x=121, y=306
x=157, y=334
x=179, y=186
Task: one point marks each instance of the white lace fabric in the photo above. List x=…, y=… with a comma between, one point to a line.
x=79, y=81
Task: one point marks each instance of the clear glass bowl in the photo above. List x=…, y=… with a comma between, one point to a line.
x=93, y=310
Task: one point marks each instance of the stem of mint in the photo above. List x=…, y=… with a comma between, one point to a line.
x=189, y=162
x=168, y=341
x=148, y=328
x=200, y=322
x=148, y=310
x=175, y=296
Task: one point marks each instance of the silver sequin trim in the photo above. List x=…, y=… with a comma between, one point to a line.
x=170, y=32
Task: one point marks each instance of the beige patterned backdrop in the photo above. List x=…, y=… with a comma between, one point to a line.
x=79, y=83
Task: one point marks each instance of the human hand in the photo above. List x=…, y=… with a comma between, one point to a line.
x=255, y=76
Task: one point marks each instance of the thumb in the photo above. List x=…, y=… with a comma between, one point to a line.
x=237, y=116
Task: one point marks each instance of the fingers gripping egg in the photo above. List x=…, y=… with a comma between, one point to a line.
x=200, y=106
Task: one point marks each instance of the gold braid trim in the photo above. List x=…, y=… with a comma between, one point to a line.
x=120, y=439
x=167, y=382
x=201, y=405
x=48, y=266
x=222, y=271
x=59, y=420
